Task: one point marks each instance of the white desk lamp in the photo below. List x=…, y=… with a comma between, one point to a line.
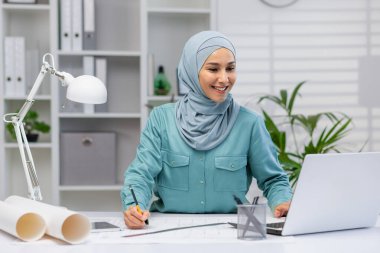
x=83, y=89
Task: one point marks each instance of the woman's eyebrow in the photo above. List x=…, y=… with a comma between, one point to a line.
x=217, y=64
x=212, y=63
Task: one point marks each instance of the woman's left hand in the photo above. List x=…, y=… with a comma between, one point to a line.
x=281, y=210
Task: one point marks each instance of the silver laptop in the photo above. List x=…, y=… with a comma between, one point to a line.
x=334, y=192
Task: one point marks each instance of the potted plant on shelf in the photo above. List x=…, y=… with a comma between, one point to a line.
x=32, y=127
x=296, y=135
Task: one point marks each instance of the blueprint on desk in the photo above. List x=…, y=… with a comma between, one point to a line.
x=223, y=233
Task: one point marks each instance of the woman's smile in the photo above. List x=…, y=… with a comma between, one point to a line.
x=220, y=89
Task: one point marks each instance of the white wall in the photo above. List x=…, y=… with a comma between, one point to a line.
x=318, y=41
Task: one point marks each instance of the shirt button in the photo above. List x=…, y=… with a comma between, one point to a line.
x=201, y=181
x=202, y=202
x=201, y=158
x=173, y=162
x=232, y=166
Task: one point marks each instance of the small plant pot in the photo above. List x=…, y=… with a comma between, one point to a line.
x=32, y=137
x=162, y=92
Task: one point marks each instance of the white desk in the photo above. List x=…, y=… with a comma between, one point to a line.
x=204, y=239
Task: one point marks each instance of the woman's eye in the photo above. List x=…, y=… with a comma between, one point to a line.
x=229, y=69
x=213, y=70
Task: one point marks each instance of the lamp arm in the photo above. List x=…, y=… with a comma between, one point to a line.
x=45, y=68
x=17, y=121
x=27, y=161
x=30, y=99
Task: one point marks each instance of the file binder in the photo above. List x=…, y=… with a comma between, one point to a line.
x=101, y=73
x=32, y=61
x=77, y=17
x=88, y=69
x=19, y=65
x=65, y=25
x=10, y=88
x=89, y=40
x=14, y=66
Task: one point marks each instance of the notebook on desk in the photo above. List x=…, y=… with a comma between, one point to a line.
x=334, y=192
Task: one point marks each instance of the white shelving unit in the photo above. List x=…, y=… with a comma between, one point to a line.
x=31, y=21
x=127, y=32
x=118, y=32
x=168, y=24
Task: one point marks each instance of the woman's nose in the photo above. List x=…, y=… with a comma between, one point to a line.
x=223, y=77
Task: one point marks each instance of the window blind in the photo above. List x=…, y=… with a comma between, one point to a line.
x=317, y=41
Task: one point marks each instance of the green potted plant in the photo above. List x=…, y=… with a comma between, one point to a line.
x=32, y=127
x=314, y=135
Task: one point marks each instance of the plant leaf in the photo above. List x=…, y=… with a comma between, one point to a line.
x=293, y=97
x=284, y=99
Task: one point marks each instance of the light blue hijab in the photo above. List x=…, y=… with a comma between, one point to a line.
x=203, y=123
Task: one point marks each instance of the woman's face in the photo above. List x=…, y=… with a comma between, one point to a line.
x=218, y=75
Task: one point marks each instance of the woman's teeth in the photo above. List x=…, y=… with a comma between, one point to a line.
x=220, y=88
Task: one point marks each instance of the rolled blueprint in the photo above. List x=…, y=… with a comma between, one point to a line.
x=61, y=223
x=25, y=225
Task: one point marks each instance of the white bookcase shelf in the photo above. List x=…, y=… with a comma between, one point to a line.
x=162, y=98
x=178, y=4
x=33, y=7
x=37, y=98
x=101, y=53
x=192, y=11
x=127, y=31
x=101, y=115
x=31, y=145
x=70, y=188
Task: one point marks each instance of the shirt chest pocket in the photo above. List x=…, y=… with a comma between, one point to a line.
x=175, y=171
x=230, y=173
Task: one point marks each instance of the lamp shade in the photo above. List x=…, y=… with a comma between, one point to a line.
x=86, y=89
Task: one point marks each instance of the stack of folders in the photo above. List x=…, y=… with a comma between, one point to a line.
x=77, y=23
x=95, y=66
x=14, y=66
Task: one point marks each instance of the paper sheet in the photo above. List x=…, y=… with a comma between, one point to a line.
x=61, y=223
x=25, y=225
x=159, y=221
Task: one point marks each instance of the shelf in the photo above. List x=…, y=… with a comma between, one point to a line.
x=163, y=98
x=31, y=145
x=36, y=98
x=100, y=115
x=90, y=187
x=36, y=7
x=101, y=53
x=178, y=11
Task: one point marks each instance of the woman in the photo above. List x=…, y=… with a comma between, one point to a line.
x=199, y=152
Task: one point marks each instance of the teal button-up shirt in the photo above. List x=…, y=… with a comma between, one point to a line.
x=186, y=180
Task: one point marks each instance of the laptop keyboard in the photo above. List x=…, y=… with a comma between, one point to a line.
x=275, y=225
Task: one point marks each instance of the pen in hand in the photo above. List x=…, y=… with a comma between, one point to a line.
x=137, y=204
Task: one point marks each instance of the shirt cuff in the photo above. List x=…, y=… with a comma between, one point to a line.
x=286, y=197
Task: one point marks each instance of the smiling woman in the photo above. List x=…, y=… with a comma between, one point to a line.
x=218, y=75
x=199, y=152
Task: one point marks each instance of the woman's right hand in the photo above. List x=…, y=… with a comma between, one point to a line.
x=135, y=220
